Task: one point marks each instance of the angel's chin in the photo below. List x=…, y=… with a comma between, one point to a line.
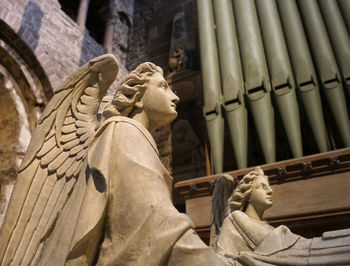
x=168, y=118
x=173, y=116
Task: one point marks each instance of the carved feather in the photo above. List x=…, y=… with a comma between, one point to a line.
x=69, y=120
x=91, y=91
x=89, y=107
x=68, y=137
x=69, y=113
x=82, y=130
x=81, y=123
x=57, y=162
x=64, y=167
x=86, y=99
x=51, y=202
x=79, y=84
x=87, y=142
x=61, y=115
x=24, y=182
x=75, y=150
x=66, y=129
x=72, y=169
x=84, y=117
x=69, y=145
x=82, y=108
x=48, y=146
x=63, y=197
x=36, y=215
x=50, y=156
x=84, y=137
x=53, y=104
x=37, y=141
x=28, y=206
x=52, y=132
x=81, y=154
x=77, y=170
x=78, y=92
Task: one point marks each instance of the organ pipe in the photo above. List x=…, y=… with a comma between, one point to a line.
x=281, y=75
x=231, y=79
x=211, y=83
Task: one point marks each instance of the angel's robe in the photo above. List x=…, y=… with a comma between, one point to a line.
x=253, y=242
x=120, y=212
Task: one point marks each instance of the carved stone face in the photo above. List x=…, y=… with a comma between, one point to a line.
x=159, y=102
x=261, y=194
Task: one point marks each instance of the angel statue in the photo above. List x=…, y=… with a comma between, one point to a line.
x=241, y=233
x=91, y=190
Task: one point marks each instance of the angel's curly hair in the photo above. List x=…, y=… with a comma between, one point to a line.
x=239, y=197
x=131, y=90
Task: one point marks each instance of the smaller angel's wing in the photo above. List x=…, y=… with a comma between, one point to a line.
x=222, y=191
x=53, y=160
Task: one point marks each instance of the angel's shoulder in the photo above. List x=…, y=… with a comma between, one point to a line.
x=120, y=124
x=124, y=124
x=129, y=133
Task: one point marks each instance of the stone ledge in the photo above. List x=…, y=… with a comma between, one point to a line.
x=316, y=165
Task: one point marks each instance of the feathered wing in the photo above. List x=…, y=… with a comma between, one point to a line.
x=53, y=160
x=222, y=191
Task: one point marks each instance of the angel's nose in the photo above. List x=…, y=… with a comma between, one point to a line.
x=174, y=98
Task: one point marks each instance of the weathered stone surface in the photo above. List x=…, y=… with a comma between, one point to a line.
x=8, y=118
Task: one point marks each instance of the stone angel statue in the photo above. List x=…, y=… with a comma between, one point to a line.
x=242, y=234
x=93, y=191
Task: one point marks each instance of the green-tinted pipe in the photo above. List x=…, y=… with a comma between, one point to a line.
x=281, y=74
x=238, y=124
x=231, y=79
x=256, y=77
x=262, y=109
x=344, y=6
x=304, y=72
x=339, y=38
x=327, y=70
x=211, y=83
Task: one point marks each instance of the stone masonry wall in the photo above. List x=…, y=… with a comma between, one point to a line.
x=55, y=39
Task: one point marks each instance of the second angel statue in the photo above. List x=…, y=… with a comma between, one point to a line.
x=240, y=232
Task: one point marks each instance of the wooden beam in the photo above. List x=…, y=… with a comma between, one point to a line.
x=321, y=164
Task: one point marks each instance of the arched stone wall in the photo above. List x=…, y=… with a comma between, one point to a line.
x=14, y=44
x=22, y=99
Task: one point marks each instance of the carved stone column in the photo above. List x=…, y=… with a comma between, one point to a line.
x=82, y=13
x=108, y=38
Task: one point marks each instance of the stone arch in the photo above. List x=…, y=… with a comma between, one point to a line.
x=24, y=92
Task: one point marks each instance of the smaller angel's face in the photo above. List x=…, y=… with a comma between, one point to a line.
x=261, y=193
x=159, y=101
